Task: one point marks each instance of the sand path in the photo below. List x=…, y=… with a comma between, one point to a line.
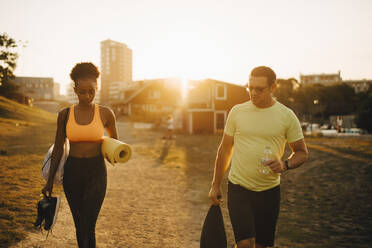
x=146, y=205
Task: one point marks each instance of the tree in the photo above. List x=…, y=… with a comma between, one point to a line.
x=340, y=99
x=285, y=90
x=309, y=101
x=364, y=114
x=318, y=102
x=8, y=62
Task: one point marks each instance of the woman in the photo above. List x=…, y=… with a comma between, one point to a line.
x=85, y=178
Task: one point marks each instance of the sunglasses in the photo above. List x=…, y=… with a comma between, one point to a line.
x=257, y=89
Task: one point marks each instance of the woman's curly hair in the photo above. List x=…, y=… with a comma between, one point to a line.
x=84, y=70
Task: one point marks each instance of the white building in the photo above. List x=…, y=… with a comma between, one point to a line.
x=359, y=85
x=118, y=91
x=56, y=90
x=38, y=88
x=325, y=79
x=116, y=66
x=72, y=98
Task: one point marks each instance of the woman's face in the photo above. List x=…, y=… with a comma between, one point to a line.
x=85, y=90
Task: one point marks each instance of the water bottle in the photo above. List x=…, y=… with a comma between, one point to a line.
x=267, y=155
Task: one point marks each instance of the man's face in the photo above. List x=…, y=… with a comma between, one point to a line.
x=259, y=90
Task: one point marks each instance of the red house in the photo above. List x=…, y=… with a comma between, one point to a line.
x=153, y=99
x=203, y=109
x=208, y=104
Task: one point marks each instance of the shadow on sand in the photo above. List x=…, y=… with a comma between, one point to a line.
x=164, y=152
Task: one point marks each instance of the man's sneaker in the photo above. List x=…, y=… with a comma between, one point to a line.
x=41, y=206
x=50, y=213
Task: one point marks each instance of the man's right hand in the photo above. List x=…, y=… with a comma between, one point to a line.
x=215, y=195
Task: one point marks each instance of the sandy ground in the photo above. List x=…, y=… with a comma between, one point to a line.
x=146, y=205
x=156, y=201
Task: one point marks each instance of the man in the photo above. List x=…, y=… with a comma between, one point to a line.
x=252, y=128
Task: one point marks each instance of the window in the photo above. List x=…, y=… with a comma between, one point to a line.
x=221, y=92
x=154, y=94
x=167, y=109
x=113, y=54
x=152, y=108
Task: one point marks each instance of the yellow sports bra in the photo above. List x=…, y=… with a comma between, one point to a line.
x=92, y=132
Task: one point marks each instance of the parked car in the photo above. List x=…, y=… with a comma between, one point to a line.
x=325, y=126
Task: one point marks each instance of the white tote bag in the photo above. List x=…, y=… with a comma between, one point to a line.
x=45, y=170
x=47, y=162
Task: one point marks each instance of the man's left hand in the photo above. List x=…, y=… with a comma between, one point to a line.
x=275, y=165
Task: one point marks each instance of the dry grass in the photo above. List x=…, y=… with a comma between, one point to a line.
x=25, y=133
x=15, y=111
x=361, y=145
x=325, y=203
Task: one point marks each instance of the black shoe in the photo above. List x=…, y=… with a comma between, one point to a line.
x=41, y=206
x=50, y=212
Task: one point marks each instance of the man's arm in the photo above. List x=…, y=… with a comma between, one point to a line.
x=222, y=163
x=299, y=156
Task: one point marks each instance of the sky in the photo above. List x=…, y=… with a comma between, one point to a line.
x=194, y=39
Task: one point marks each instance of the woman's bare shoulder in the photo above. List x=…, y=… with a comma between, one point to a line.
x=105, y=109
x=106, y=112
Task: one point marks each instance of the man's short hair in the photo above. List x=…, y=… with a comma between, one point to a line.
x=264, y=71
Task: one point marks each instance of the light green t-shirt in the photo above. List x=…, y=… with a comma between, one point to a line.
x=253, y=129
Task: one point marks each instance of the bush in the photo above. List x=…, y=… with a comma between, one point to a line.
x=364, y=116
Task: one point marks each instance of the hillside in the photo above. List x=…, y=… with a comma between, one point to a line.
x=15, y=117
x=11, y=111
x=25, y=135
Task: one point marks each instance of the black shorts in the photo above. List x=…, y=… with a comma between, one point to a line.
x=253, y=214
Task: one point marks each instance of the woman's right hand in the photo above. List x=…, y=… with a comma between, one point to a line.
x=48, y=188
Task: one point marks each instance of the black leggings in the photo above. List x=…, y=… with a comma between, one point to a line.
x=84, y=183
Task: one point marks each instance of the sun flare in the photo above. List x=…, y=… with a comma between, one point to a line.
x=184, y=87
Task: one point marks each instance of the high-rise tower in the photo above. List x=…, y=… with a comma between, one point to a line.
x=116, y=66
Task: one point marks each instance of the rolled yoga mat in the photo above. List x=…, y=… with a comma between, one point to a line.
x=115, y=151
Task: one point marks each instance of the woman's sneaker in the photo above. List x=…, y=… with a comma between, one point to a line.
x=50, y=212
x=41, y=206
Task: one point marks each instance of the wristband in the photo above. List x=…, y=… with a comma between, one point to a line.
x=286, y=163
